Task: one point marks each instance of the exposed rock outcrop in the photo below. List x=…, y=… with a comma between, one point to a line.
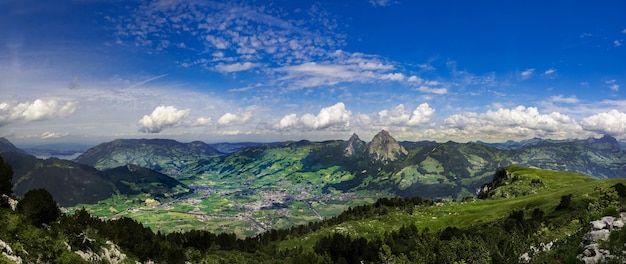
x=7, y=251
x=109, y=254
x=385, y=148
x=600, y=231
x=354, y=147
x=8, y=200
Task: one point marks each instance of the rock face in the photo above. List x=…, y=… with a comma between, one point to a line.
x=600, y=231
x=7, y=251
x=354, y=147
x=109, y=254
x=385, y=148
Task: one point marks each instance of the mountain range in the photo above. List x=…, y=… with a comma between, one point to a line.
x=71, y=183
x=424, y=168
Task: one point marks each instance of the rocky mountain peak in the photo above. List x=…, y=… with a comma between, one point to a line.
x=384, y=147
x=608, y=140
x=354, y=146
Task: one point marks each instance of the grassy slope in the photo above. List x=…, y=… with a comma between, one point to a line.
x=477, y=212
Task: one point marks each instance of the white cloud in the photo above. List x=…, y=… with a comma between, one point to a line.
x=549, y=71
x=617, y=43
x=162, y=117
x=527, y=73
x=335, y=116
x=426, y=89
x=230, y=119
x=235, y=67
x=40, y=109
x=421, y=115
x=415, y=79
x=233, y=132
x=48, y=135
x=203, y=121
x=247, y=32
x=399, y=116
x=287, y=122
x=613, y=85
x=514, y=123
x=393, y=76
x=313, y=74
x=610, y=123
x=377, y=3
x=561, y=99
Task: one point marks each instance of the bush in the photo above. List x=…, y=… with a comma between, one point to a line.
x=39, y=207
x=610, y=211
x=565, y=203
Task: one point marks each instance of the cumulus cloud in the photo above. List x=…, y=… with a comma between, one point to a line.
x=162, y=117
x=40, y=109
x=203, y=121
x=332, y=117
x=335, y=116
x=230, y=119
x=617, y=43
x=517, y=122
x=610, y=123
x=421, y=115
x=399, y=116
x=415, y=79
x=287, y=122
x=527, y=73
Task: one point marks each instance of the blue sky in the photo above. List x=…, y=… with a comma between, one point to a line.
x=94, y=70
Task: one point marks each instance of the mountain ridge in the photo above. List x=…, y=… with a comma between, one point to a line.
x=72, y=183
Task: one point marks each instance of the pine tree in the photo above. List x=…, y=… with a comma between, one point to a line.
x=6, y=176
x=39, y=206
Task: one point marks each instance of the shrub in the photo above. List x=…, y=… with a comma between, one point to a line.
x=39, y=207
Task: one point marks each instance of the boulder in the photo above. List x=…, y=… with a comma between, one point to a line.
x=596, y=235
x=598, y=224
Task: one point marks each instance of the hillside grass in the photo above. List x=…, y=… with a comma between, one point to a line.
x=476, y=212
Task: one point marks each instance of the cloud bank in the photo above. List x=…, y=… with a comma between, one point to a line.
x=38, y=110
x=162, y=117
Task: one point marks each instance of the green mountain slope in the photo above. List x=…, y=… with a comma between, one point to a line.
x=529, y=218
x=71, y=183
x=162, y=155
x=427, y=169
x=132, y=180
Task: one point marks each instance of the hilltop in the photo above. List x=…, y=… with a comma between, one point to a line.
x=71, y=183
x=162, y=155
